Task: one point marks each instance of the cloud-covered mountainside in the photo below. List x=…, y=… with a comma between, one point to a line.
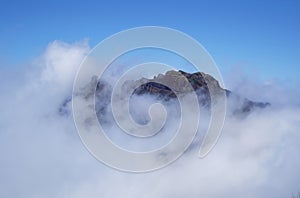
x=42, y=156
x=180, y=81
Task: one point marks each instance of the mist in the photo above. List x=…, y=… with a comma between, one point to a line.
x=43, y=156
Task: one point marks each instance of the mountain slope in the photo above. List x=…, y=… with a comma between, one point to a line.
x=183, y=83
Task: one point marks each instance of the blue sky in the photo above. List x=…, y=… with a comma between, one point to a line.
x=41, y=154
x=257, y=36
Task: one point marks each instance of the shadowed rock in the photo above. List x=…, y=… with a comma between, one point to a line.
x=159, y=87
x=183, y=83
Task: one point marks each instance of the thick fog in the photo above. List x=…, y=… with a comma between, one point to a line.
x=257, y=155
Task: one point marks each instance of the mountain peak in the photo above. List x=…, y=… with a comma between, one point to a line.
x=183, y=82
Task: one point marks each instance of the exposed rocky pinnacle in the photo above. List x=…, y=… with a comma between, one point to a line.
x=167, y=86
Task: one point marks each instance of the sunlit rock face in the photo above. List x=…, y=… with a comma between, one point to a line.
x=167, y=86
x=181, y=83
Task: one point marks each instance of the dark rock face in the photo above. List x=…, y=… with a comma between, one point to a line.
x=180, y=81
x=249, y=105
x=159, y=87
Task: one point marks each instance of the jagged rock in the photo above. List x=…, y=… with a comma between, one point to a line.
x=181, y=83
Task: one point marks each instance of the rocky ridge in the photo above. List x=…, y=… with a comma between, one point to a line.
x=183, y=83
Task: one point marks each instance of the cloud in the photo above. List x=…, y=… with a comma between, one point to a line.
x=42, y=155
x=38, y=146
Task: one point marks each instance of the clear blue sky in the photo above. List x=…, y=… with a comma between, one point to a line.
x=258, y=35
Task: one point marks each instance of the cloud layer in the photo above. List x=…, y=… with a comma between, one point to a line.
x=42, y=155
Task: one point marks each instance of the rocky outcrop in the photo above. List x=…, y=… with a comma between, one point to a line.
x=159, y=87
x=180, y=81
x=183, y=83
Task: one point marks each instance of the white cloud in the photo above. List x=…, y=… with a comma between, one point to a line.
x=42, y=155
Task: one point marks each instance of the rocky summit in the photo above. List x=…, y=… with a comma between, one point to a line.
x=182, y=83
x=166, y=87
